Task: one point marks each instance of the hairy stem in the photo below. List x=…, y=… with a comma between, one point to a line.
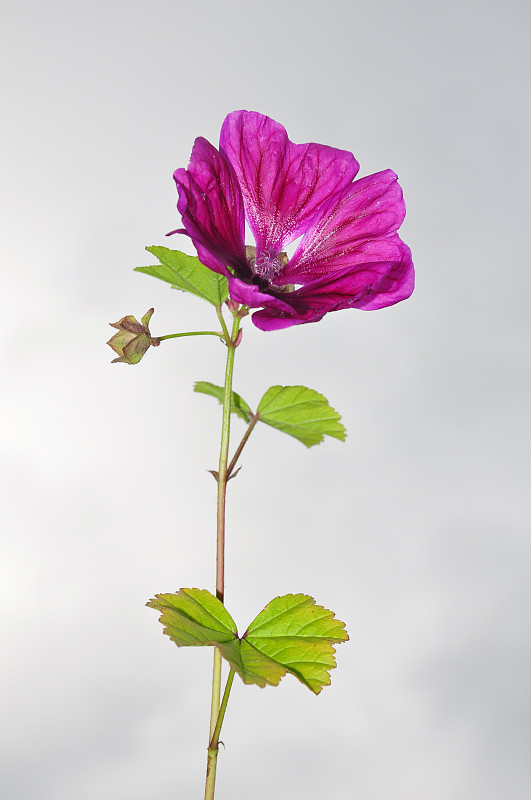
x=215, y=712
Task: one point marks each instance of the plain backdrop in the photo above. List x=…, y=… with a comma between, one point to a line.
x=415, y=531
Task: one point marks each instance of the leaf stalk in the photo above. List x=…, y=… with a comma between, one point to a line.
x=219, y=334
x=237, y=454
x=213, y=747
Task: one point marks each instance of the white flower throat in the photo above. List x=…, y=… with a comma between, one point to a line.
x=265, y=264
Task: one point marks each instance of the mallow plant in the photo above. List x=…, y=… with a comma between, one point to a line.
x=348, y=255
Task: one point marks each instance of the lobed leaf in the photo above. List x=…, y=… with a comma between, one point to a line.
x=252, y=666
x=238, y=405
x=291, y=634
x=194, y=617
x=188, y=274
x=299, y=635
x=302, y=413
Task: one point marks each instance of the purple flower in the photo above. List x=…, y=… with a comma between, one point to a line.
x=349, y=256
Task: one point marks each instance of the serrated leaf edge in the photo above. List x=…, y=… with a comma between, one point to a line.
x=305, y=600
x=316, y=437
x=191, y=289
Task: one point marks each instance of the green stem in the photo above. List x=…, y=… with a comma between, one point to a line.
x=224, y=324
x=216, y=691
x=215, y=712
x=219, y=334
x=213, y=747
x=223, y=461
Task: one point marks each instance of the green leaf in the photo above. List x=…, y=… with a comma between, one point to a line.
x=300, y=412
x=186, y=273
x=252, y=666
x=291, y=634
x=238, y=405
x=194, y=617
x=294, y=632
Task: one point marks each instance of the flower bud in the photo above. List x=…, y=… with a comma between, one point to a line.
x=133, y=338
x=232, y=305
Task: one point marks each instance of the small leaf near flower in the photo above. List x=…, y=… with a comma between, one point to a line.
x=238, y=404
x=300, y=412
x=133, y=338
x=292, y=634
x=186, y=273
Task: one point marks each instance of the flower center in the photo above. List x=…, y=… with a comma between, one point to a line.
x=266, y=265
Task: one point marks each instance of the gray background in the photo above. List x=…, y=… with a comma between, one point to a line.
x=415, y=531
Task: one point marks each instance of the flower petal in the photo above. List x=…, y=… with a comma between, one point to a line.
x=250, y=295
x=341, y=230
x=283, y=183
x=211, y=206
x=396, y=285
x=366, y=286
